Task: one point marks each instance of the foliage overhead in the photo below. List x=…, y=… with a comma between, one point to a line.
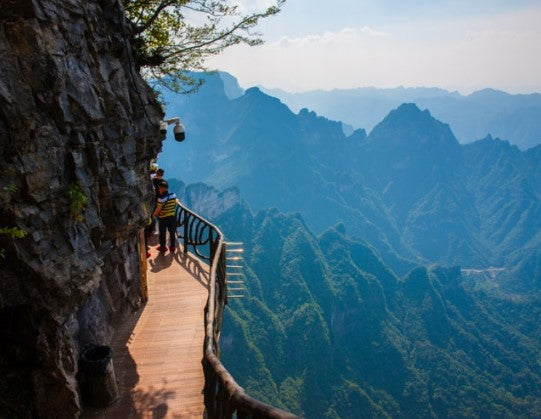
x=172, y=37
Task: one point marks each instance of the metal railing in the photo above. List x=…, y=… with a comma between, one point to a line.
x=224, y=398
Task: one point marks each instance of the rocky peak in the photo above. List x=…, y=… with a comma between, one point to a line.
x=405, y=118
x=407, y=128
x=231, y=85
x=253, y=91
x=358, y=135
x=210, y=202
x=254, y=97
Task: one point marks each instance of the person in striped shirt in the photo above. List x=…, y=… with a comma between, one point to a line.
x=166, y=207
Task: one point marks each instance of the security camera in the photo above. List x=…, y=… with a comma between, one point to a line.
x=178, y=130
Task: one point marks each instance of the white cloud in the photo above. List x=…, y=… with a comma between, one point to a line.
x=500, y=51
x=328, y=38
x=372, y=32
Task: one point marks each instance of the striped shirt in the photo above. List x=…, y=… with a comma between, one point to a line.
x=166, y=205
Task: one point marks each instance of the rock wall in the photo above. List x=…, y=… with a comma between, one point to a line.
x=76, y=124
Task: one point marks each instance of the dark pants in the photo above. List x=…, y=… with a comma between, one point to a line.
x=149, y=229
x=169, y=224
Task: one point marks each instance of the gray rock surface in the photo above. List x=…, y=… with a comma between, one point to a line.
x=73, y=111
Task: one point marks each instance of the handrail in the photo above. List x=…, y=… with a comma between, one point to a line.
x=223, y=396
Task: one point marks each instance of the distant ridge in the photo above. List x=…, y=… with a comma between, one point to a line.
x=514, y=117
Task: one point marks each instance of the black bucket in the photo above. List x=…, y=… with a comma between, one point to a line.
x=98, y=376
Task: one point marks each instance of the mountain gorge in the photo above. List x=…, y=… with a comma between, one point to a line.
x=329, y=330
x=408, y=188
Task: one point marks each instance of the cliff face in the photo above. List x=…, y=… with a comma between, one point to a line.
x=203, y=199
x=75, y=124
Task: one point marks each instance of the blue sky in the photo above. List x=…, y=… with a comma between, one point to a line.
x=458, y=45
x=300, y=17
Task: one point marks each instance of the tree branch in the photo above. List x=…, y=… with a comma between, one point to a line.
x=218, y=38
x=165, y=43
x=150, y=21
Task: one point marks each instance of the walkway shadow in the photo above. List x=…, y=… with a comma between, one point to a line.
x=132, y=403
x=194, y=266
x=160, y=262
x=125, y=371
x=153, y=402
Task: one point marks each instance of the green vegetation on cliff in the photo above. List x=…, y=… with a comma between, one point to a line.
x=329, y=330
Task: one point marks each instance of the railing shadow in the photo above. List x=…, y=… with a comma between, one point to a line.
x=194, y=266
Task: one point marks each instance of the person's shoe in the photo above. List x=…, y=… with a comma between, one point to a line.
x=161, y=249
x=172, y=249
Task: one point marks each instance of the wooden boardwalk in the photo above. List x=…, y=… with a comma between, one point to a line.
x=157, y=355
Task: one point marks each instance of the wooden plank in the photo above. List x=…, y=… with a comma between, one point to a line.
x=158, y=352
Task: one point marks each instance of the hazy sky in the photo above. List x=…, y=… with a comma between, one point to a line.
x=461, y=45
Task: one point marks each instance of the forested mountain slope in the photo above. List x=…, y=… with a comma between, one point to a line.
x=329, y=330
x=409, y=188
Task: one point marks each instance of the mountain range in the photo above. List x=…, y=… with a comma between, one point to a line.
x=389, y=274
x=409, y=188
x=516, y=118
x=327, y=329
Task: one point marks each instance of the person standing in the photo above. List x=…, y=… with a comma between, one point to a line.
x=156, y=181
x=151, y=224
x=156, y=178
x=166, y=206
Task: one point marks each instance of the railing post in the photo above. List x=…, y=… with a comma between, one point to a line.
x=210, y=389
x=212, y=247
x=186, y=232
